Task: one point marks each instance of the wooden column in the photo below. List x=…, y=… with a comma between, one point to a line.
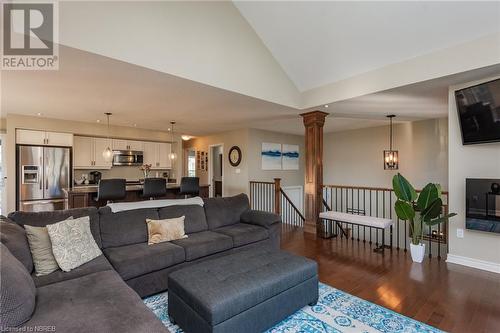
x=313, y=122
x=277, y=195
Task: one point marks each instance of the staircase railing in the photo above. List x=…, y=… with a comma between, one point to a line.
x=270, y=197
x=379, y=202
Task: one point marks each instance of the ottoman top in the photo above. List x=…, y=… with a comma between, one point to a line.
x=221, y=288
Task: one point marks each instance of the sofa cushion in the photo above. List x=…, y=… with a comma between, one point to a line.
x=243, y=234
x=221, y=212
x=194, y=221
x=137, y=259
x=14, y=238
x=204, y=243
x=124, y=228
x=98, y=302
x=41, y=219
x=17, y=291
x=98, y=264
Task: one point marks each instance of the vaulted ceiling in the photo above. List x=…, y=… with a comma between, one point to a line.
x=320, y=42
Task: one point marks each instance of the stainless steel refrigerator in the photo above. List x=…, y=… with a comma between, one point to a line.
x=43, y=172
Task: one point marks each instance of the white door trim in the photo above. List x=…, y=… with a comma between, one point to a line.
x=210, y=168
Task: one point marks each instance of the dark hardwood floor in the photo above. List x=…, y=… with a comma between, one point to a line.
x=450, y=297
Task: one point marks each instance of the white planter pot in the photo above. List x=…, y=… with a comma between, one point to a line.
x=417, y=252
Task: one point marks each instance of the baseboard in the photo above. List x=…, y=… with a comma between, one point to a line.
x=474, y=263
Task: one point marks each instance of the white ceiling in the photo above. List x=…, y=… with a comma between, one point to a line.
x=320, y=42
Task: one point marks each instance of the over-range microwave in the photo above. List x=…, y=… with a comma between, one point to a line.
x=128, y=157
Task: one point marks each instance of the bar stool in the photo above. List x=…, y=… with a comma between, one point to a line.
x=190, y=186
x=154, y=188
x=111, y=189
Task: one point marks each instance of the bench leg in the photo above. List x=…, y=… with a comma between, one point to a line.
x=382, y=246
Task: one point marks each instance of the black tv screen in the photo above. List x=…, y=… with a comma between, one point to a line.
x=479, y=112
x=482, y=201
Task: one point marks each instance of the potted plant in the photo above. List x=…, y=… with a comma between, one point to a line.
x=418, y=210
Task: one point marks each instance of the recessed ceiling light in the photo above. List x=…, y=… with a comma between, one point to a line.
x=98, y=120
x=169, y=129
x=326, y=105
x=186, y=137
x=135, y=125
x=39, y=114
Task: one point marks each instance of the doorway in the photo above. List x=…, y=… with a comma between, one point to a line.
x=216, y=170
x=190, y=162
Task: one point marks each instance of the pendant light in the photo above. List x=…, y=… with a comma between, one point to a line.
x=172, y=154
x=108, y=153
x=391, y=158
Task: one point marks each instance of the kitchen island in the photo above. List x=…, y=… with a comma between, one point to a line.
x=83, y=195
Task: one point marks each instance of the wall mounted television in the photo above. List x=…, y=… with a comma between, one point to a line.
x=479, y=112
x=482, y=202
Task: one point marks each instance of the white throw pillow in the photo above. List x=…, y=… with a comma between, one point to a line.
x=72, y=243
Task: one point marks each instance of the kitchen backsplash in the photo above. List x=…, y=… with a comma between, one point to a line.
x=127, y=172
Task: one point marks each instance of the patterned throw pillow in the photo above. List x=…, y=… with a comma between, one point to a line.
x=72, y=243
x=165, y=230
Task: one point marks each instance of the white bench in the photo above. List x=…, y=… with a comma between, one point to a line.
x=361, y=220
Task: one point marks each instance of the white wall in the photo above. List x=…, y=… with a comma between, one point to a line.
x=355, y=157
x=478, y=249
x=205, y=41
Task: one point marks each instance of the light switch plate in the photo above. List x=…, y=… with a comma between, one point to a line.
x=460, y=233
x=238, y=171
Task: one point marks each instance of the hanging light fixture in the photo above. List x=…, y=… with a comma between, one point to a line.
x=391, y=158
x=172, y=154
x=108, y=153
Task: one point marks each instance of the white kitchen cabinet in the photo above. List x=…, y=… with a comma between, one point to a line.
x=127, y=145
x=59, y=139
x=43, y=138
x=100, y=144
x=164, y=155
x=83, y=152
x=120, y=144
x=87, y=153
x=157, y=154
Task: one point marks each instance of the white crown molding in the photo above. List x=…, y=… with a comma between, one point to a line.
x=474, y=263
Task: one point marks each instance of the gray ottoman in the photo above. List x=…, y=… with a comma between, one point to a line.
x=248, y=291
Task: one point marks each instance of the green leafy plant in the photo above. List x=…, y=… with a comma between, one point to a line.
x=418, y=209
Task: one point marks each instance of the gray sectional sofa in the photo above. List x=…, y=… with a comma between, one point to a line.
x=94, y=297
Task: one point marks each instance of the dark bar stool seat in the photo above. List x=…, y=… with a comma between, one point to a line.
x=190, y=186
x=111, y=189
x=154, y=188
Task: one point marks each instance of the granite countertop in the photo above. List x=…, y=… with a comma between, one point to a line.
x=129, y=188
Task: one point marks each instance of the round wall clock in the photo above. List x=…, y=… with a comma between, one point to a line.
x=234, y=156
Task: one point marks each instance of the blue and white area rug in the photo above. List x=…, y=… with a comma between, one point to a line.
x=335, y=312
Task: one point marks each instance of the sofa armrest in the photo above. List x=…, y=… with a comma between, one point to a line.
x=261, y=218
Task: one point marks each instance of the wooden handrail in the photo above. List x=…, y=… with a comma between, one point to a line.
x=259, y=182
x=370, y=188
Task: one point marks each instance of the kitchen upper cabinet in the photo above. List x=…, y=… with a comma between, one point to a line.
x=43, y=138
x=157, y=154
x=100, y=144
x=163, y=155
x=87, y=153
x=59, y=139
x=127, y=145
